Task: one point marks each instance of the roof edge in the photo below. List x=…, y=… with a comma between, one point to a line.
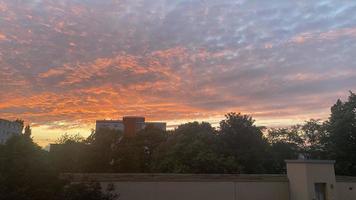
x=175, y=177
x=311, y=161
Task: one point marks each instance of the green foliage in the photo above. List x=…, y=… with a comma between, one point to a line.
x=341, y=138
x=238, y=146
x=102, y=144
x=28, y=131
x=69, y=154
x=27, y=174
x=242, y=139
x=136, y=154
x=315, y=137
x=193, y=148
x=70, y=157
x=70, y=139
x=288, y=143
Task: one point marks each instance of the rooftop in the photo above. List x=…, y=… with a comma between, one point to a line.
x=311, y=161
x=109, y=120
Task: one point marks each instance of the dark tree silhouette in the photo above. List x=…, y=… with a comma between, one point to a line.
x=341, y=140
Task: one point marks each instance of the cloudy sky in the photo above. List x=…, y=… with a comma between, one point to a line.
x=66, y=63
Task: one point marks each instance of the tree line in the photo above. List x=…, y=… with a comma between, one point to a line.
x=237, y=146
x=27, y=172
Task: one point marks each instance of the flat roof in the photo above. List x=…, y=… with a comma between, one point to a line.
x=311, y=161
x=130, y=117
x=175, y=177
x=5, y=120
x=106, y=121
x=9, y=121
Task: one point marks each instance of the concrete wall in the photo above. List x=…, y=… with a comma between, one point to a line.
x=262, y=191
x=300, y=184
x=174, y=190
x=200, y=190
x=297, y=180
x=346, y=188
x=304, y=174
x=194, y=187
x=322, y=173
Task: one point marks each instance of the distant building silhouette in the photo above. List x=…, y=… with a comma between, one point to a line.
x=132, y=125
x=9, y=129
x=129, y=125
x=117, y=125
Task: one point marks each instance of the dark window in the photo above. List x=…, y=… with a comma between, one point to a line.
x=320, y=191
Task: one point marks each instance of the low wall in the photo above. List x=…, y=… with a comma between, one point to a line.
x=191, y=187
x=346, y=188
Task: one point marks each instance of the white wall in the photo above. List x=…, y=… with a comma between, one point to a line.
x=262, y=191
x=201, y=190
x=346, y=190
x=304, y=174
x=110, y=124
x=299, y=185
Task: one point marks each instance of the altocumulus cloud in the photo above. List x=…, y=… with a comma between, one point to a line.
x=65, y=63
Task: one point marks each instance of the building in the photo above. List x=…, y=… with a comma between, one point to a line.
x=132, y=125
x=305, y=180
x=159, y=125
x=129, y=125
x=116, y=125
x=9, y=129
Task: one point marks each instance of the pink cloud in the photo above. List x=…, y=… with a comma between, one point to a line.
x=321, y=36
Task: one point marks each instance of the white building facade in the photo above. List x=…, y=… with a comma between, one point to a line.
x=116, y=125
x=9, y=129
x=130, y=125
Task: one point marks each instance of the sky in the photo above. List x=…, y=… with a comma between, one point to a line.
x=66, y=63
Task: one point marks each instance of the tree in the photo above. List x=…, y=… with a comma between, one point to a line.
x=101, y=149
x=70, y=139
x=70, y=154
x=243, y=140
x=291, y=136
x=314, y=136
x=28, y=131
x=134, y=154
x=25, y=172
x=289, y=143
x=341, y=138
x=193, y=148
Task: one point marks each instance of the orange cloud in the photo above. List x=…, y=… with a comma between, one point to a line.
x=69, y=64
x=2, y=37
x=51, y=73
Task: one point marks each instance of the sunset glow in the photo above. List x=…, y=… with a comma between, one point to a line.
x=66, y=63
